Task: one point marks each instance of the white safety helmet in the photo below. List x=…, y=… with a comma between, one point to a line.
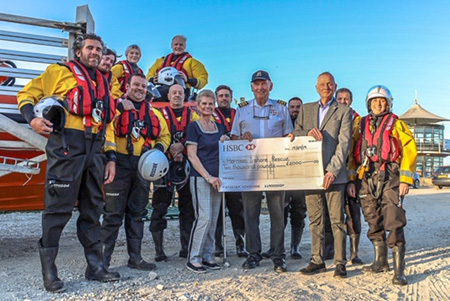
x=380, y=91
x=153, y=165
x=169, y=76
x=152, y=90
x=51, y=108
x=179, y=172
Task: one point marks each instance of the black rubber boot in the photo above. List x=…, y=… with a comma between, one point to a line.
x=96, y=269
x=108, y=249
x=354, y=245
x=158, y=239
x=135, y=261
x=49, y=271
x=380, y=263
x=184, y=239
x=296, y=237
x=398, y=255
x=240, y=246
x=328, y=253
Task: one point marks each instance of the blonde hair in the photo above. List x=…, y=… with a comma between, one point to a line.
x=133, y=46
x=205, y=93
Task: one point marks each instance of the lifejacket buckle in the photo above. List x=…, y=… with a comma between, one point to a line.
x=138, y=125
x=371, y=151
x=97, y=111
x=178, y=136
x=136, y=132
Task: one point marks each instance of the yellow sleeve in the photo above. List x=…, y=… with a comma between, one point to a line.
x=116, y=93
x=194, y=116
x=56, y=80
x=118, y=71
x=152, y=70
x=164, y=138
x=110, y=141
x=351, y=163
x=408, y=151
x=197, y=70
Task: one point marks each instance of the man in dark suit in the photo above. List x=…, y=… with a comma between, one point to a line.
x=330, y=122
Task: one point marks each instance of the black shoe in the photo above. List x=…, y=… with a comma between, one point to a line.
x=250, y=263
x=211, y=265
x=267, y=254
x=218, y=253
x=241, y=252
x=340, y=271
x=183, y=253
x=279, y=265
x=357, y=261
x=313, y=268
x=141, y=265
x=160, y=257
x=193, y=268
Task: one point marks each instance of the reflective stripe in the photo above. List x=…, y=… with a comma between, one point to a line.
x=407, y=173
x=111, y=144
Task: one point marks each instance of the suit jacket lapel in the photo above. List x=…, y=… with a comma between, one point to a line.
x=330, y=112
x=316, y=116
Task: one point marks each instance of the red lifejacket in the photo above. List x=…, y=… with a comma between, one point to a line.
x=221, y=119
x=145, y=119
x=108, y=76
x=87, y=96
x=177, y=128
x=128, y=71
x=354, y=115
x=177, y=64
x=386, y=146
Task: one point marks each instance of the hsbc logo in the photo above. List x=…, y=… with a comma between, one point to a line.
x=238, y=148
x=250, y=147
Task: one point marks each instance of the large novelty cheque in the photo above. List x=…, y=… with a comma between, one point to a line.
x=271, y=164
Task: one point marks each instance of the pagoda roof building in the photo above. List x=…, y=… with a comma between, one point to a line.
x=417, y=115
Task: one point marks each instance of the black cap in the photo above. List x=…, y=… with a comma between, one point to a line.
x=260, y=75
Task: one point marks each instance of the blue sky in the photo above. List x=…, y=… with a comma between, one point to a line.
x=404, y=45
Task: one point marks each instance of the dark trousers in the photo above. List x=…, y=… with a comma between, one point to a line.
x=126, y=196
x=162, y=199
x=352, y=217
x=316, y=203
x=295, y=206
x=384, y=215
x=75, y=176
x=235, y=211
x=252, y=209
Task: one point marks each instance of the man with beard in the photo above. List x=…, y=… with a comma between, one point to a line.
x=295, y=199
x=138, y=128
x=224, y=114
x=75, y=158
x=108, y=60
x=177, y=118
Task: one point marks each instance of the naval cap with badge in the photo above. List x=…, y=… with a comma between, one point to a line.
x=260, y=75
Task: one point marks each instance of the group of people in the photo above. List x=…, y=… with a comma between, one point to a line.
x=93, y=161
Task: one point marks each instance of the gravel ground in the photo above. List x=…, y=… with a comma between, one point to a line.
x=428, y=261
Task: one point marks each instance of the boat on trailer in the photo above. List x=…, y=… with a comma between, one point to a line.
x=22, y=155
